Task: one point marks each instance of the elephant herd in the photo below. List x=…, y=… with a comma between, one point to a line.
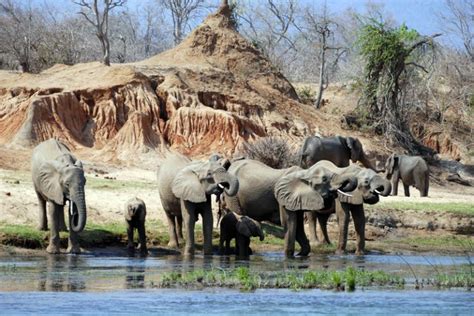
x=248, y=192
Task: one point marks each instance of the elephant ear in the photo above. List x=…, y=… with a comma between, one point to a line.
x=295, y=193
x=78, y=164
x=186, y=186
x=355, y=147
x=392, y=163
x=50, y=181
x=128, y=216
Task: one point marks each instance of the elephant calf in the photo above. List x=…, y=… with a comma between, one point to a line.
x=135, y=213
x=413, y=170
x=241, y=228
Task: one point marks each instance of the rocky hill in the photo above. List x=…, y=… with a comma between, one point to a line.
x=211, y=93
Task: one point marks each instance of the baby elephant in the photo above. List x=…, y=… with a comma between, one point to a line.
x=135, y=213
x=241, y=228
x=412, y=170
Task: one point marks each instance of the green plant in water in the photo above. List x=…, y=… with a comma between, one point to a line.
x=350, y=276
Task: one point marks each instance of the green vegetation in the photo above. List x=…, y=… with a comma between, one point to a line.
x=22, y=236
x=453, y=207
x=246, y=280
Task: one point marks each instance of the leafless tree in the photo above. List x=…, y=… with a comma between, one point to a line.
x=98, y=16
x=458, y=20
x=182, y=11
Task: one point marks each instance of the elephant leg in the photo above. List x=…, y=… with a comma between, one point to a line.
x=406, y=188
x=62, y=222
x=188, y=212
x=221, y=243
x=343, y=216
x=43, y=219
x=426, y=185
x=130, y=245
x=243, y=243
x=358, y=216
x=53, y=211
x=73, y=241
x=301, y=236
x=395, y=180
x=173, y=243
x=142, y=238
x=290, y=233
x=227, y=246
x=179, y=229
x=323, y=224
x=312, y=220
x=207, y=226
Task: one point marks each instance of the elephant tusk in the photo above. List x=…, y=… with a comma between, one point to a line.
x=344, y=193
x=221, y=186
x=71, y=208
x=377, y=191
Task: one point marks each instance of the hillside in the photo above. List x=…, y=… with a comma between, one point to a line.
x=211, y=93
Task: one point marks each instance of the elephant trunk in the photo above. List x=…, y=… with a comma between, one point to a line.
x=232, y=184
x=77, y=212
x=344, y=183
x=368, y=164
x=381, y=186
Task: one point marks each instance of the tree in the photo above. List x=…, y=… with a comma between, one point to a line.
x=391, y=60
x=319, y=31
x=182, y=11
x=99, y=18
x=458, y=20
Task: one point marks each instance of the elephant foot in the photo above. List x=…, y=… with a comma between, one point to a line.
x=289, y=254
x=42, y=227
x=52, y=249
x=340, y=252
x=173, y=244
x=74, y=249
x=359, y=253
x=143, y=252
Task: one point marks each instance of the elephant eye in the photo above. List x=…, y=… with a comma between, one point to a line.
x=324, y=179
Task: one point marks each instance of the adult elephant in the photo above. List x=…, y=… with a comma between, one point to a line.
x=337, y=149
x=185, y=189
x=257, y=199
x=340, y=151
x=370, y=186
x=59, y=177
x=413, y=170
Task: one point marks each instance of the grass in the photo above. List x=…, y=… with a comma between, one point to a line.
x=246, y=280
x=453, y=207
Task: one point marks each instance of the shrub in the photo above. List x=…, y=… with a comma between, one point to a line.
x=272, y=151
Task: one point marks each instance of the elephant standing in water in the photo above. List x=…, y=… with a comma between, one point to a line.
x=241, y=228
x=256, y=197
x=340, y=151
x=185, y=189
x=59, y=177
x=369, y=186
x=135, y=214
x=413, y=170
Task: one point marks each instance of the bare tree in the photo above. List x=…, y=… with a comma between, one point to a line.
x=458, y=20
x=319, y=30
x=182, y=11
x=99, y=18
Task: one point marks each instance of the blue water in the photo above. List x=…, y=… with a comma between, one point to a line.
x=90, y=284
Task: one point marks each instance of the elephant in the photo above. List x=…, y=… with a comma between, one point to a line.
x=337, y=149
x=185, y=189
x=370, y=186
x=135, y=214
x=307, y=190
x=59, y=177
x=413, y=170
x=340, y=151
x=241, y=228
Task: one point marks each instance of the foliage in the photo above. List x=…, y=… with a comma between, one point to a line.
x=306, y=94
x=391, y=56
x=272, y=151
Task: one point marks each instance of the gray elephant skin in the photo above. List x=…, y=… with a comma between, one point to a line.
x=340, y=151
x=135, y=215
x=256, y=196
x=308, y=190
x=412, y=170
x=370, y=186
x=185, y=189
x=59, y=177
x=240, y=228
x=337, y=149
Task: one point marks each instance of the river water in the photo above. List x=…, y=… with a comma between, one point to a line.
x=85, y=284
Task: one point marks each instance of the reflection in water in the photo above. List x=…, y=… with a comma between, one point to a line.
x=60, y=274
x=135, y=277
